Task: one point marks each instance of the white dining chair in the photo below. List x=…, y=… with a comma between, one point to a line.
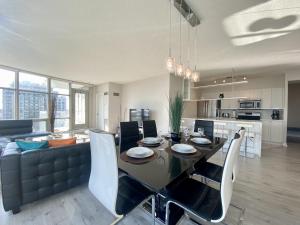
x=202, y=201
x=236, y=165
x=119, y=195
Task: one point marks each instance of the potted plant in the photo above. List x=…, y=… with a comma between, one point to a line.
x=52, y=110
x=175, y=114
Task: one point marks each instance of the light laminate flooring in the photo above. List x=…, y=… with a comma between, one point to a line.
x=269, y=189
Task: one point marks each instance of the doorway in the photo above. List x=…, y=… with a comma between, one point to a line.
x=293, y=122
x=80, y=109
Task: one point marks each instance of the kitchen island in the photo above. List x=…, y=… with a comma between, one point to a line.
x=227, y=127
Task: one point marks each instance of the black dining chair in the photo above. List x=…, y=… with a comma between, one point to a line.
x=208, y=127
x=201, y=201
x=149, y=128
x=129, y=135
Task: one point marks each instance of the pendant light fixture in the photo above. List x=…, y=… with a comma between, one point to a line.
x=180, y=67
x=170, y=60
x=196, y=74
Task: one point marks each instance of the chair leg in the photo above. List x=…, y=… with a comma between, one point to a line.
x=117, y=220
x=153, y=209
x=167, y=213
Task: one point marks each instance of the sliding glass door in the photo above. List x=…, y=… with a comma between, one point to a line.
x=80, y=109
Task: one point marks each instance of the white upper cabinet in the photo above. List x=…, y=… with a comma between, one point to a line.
x=277, y=98
x=266, y=100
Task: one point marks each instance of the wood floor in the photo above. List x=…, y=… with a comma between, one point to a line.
x=269, y=189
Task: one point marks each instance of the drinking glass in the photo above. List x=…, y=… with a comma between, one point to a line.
x=186, y=133
x=201, y=131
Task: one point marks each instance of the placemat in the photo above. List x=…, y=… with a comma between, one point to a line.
x=128, y=159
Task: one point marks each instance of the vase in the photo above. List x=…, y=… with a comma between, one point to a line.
x=175, y=137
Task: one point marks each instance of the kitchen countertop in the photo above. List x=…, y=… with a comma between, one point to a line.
x=226, y=120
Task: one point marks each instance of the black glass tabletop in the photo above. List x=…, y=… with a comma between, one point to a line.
x=168, y=165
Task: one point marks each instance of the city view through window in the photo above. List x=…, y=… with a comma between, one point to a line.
x=32, y=99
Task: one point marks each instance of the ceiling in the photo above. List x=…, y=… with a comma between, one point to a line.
x=121, y=41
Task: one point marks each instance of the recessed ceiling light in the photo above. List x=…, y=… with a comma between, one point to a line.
x=245, y=78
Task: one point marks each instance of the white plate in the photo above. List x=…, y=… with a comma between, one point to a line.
x=202, y=141
x=140, y=152
x=151, y=140
x=196, y=134
x=183, y=148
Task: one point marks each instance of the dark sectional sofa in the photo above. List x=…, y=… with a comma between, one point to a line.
x=32, y=175
x=18, y=129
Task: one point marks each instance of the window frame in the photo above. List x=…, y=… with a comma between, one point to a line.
x=17, y=91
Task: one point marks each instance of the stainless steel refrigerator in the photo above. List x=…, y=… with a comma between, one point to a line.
x=208, y=108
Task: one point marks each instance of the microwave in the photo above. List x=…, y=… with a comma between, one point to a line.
x=250, y=104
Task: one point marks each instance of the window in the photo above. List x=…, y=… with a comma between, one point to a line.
x=60, y=91
x=7, y=94
x=25, y=95
x=80, y=108
x=60, y=87
x=32, y=82
x=7, y=78
x=7, y=104
x=39, y=126
x=61, y=125
x=33, y=105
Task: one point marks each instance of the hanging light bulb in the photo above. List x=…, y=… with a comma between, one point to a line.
x=179, y=69
x=195, y=75
x=188, y=73
x=170, y=62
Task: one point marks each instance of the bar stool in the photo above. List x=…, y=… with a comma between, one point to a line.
x=220, y=131
x=247, y=136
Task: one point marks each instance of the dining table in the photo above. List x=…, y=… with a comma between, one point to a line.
x=165, y=167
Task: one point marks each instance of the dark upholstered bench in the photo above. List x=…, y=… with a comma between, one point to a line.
x=18, y=129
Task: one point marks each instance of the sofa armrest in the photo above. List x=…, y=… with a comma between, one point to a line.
x=10, y=179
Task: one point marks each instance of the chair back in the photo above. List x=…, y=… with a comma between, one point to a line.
x=208, y=127
x=103, y=182
x=227, y=178
x=236, y=165
x=149, y=128
x=129, y=136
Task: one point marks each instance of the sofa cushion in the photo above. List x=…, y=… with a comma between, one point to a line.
x=62, y=142
x=32, y=145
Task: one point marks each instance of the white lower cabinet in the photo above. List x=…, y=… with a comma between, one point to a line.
x=272, y=131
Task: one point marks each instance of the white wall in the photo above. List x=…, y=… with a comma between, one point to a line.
x=151, y=93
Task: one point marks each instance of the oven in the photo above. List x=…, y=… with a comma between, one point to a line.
x=249, y=104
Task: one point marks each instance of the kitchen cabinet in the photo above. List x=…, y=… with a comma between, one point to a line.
x=277, y=131
x=266, y=100
x=266, y=129
x=272, y=131
x=277, y=98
